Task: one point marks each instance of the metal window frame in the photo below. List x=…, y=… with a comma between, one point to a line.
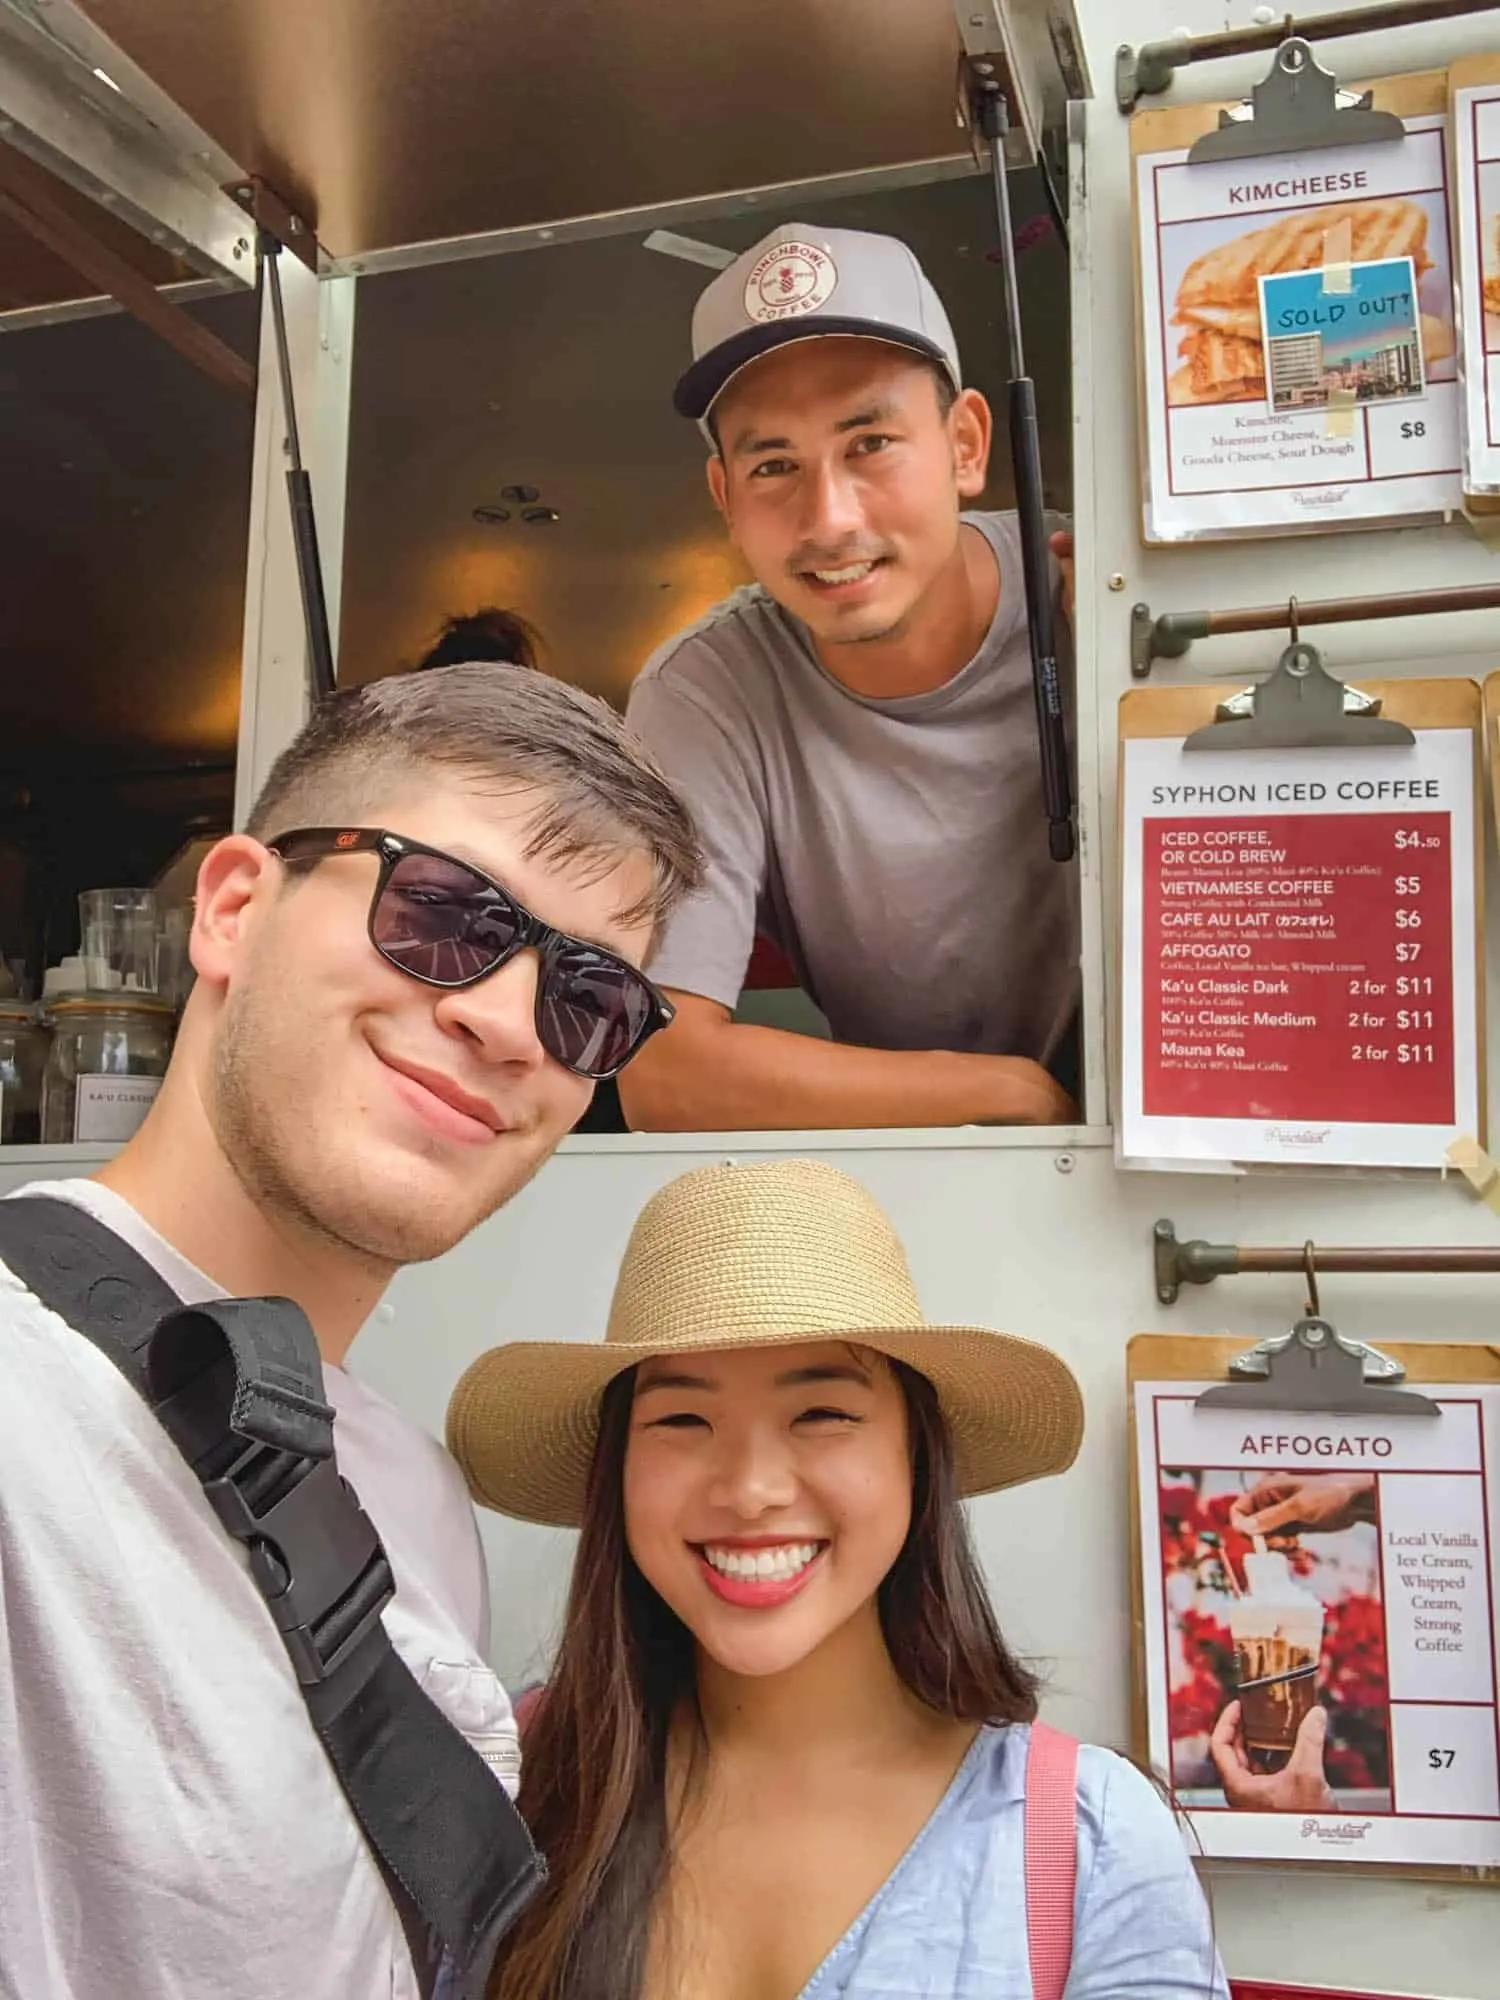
x=124, y=143
x=274, y=683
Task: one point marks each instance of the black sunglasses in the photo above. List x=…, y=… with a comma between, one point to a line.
x=449, y=924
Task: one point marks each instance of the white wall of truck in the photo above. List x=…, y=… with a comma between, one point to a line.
x=1038, y=1232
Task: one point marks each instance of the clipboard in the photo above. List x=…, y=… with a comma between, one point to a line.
x=1231, y=1139
x=1475, y=185
x=1491, y=757
x=1396, y=465
x=1432, y=1366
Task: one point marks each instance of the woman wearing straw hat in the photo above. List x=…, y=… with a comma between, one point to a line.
x=784, y=1753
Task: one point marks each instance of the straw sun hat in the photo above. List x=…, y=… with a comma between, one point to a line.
x=755, y=1256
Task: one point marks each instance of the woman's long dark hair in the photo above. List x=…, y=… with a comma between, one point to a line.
x=594, y=1772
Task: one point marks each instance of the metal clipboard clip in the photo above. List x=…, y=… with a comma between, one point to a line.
x=1300, y=706
x=1296, y=109
x=1314, y=1368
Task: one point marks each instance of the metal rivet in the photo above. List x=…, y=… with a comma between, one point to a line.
x=491, y=517
x=541, y=516
x=520, y=495
x=294, y=226
x=1116, y=581
x=1064, y=1163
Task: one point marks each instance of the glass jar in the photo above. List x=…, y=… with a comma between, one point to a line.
x=108, y=1057
x=23, y=1057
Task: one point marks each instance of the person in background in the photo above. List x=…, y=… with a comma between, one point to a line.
x=377, y=1055
x=856, y=734
x=784, y=1750
x=487, y=634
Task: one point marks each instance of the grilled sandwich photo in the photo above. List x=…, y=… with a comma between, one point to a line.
x=1218, y=299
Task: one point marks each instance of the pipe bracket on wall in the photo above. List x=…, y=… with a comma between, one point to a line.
x=1176, y=1263
x=1169, y=635
x=1151, y=69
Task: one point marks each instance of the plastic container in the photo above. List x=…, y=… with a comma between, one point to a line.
x=119, y=931
x=104, y=1068
x=174, y=968
x=67, y=976
x=23, y=1058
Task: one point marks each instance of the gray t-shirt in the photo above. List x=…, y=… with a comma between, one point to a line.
x=895, y=850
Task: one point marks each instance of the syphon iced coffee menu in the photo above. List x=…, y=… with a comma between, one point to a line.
x=1300, y=979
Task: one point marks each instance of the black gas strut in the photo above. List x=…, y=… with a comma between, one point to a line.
x=299, y=493
x=992, y=117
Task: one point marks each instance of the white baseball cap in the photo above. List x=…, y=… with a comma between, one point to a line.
x=801, y=282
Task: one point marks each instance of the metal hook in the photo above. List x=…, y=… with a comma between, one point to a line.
x=1293, y=620
x=1310, y=1272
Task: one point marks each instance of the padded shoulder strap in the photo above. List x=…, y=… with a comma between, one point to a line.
x=238, y=1387
x=1051, y=1857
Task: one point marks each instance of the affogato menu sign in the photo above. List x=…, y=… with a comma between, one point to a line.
x=1318, y=1642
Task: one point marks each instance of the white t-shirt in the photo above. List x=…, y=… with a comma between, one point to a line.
x=170, y=1827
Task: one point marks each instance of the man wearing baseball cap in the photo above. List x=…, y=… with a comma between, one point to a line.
x=855, y=733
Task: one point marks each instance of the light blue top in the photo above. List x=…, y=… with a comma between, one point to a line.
x=950, y=1922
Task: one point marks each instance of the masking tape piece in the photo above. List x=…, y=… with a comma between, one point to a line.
x=1342, y=404
x=1478, y=1169
x=1338, y=257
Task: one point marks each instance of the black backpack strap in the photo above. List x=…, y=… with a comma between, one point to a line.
x=238, y=1387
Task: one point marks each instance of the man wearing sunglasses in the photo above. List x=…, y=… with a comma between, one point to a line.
x=412, y=967
x=856, y=735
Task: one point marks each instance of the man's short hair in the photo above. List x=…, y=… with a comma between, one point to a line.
x=503, y=726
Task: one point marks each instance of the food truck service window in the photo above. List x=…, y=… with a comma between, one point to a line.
x=883, y=939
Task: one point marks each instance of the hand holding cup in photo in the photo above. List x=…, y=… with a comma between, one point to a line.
x=1299, y=1786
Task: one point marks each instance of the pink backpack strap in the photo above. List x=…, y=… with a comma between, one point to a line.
x=1051, y=1857
x=525, y=1705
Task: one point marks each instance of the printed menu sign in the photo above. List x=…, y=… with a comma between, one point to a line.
x=1476, y=147
x=1299, y=953
x=1319, y=1626
x=1298, y=345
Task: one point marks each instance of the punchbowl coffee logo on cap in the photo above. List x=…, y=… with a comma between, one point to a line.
x=791, y=278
